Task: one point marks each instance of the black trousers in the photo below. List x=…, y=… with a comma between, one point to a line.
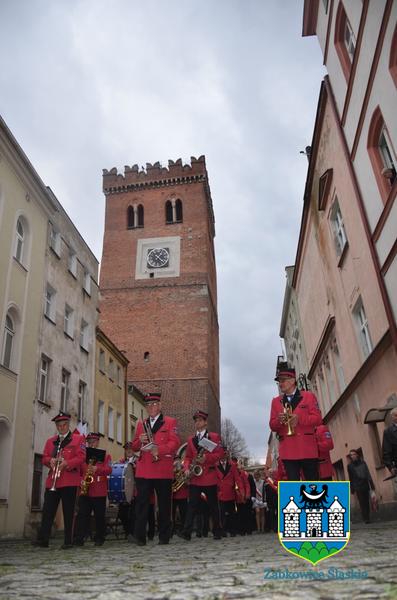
x=271, y=518
x=145, y=488
x=193, y=507
x=244, y=517
x=88, y=505
x=228, y=516
x=51, y=502
x=126, y=514
x=181, y=505
x=309, y=466
x=363, y=500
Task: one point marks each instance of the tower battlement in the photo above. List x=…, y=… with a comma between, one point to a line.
x=154, y=175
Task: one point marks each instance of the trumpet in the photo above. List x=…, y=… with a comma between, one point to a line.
x=57, y=471
x=287, y=418
x=149, y=434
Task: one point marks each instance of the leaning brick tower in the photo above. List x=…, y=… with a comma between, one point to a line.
x=158, y=284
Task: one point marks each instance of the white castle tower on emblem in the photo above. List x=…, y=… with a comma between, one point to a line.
x=335, y=519
x=291, y=519
x=313, y=522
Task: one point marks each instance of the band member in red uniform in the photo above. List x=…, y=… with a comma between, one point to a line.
x=299, y=410
x=229, y=485
x=325, y=445
x=157, y=439
x=63, y=454
x=205, y=483
x=244, y=504
x=93, y=492
x=270, y=497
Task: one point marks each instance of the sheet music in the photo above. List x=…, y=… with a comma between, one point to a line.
x=207, y=444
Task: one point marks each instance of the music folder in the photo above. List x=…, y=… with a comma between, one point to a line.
x=207, y=444
x=95, y=454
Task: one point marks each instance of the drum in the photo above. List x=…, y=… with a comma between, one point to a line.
x=121, y=483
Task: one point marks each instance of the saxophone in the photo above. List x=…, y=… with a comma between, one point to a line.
x=181, y=477
x=88, y=478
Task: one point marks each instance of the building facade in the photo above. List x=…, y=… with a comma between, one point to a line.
x=25, y=209
x=110, y=403
x=344, y=273
x=66, y=344
x=158, y=284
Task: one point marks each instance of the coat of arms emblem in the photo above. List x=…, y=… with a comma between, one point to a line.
x=314, y=518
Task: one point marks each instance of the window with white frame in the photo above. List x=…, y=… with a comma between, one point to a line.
x=84, y=330
x=102, y=360
x=362, y=328
x=110, y=423
x=68, y=321
x=72, y=262
x=81, y=401
x=350, y=40
x=87, y=282
x=65, y=390
x=111, y=369
x=44, y=378
x=387, y=154
x=55, y=240
x=338, y=228
x=8, y=342
x=19, y=241
x=50, y=303
x=119, y=436
x=101, y=417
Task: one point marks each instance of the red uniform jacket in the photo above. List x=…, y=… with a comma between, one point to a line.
x=325, y=444
x=165, y=435
x=99, y=487
x=303, y=443
x=208, y=476
x=245, y=492
x=229, y=482
x=182, y=493
x=73, y=452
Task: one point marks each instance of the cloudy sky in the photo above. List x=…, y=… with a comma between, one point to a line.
x=92, y=84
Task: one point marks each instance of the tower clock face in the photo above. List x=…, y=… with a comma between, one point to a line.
x=158, y=257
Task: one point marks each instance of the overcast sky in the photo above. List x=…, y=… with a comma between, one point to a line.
x=92, y=84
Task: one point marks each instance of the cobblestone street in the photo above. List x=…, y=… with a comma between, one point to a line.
x=205, y=569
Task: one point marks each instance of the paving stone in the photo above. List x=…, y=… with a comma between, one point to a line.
x=231, y=569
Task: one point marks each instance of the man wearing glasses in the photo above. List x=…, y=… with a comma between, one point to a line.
x=294, y=417
x=157, y=440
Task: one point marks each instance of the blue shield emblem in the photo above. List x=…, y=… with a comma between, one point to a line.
x=314, y=518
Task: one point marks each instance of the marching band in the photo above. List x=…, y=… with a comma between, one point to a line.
x=194, y=486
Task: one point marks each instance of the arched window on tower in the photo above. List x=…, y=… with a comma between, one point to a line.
x=140, y=216
x=345, y=41
x=130, y=217
x=178, y=211
x=168, y=212
x=381, y=153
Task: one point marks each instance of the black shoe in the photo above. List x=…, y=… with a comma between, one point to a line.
x=66, y=546
x=40, y=544
x=162, y=542
x=232, y=535
x=217, y=536
x=198, y=535
x=134, y=540
x=224, y=534
x=185, y=536
x=78, y=543
x=205, y=534
x=99, y=543
x=150, y=538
